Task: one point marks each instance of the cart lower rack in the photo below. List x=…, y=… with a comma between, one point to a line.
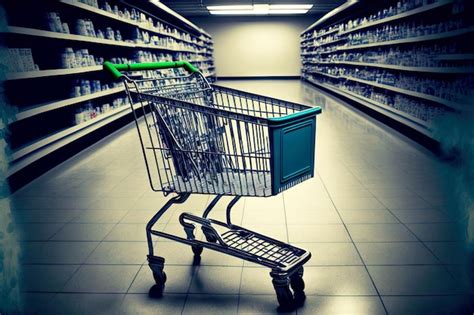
x=198, y=138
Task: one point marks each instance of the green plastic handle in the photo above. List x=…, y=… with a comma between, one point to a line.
x=116, y=69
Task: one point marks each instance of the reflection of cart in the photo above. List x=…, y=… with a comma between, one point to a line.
x=198, y=138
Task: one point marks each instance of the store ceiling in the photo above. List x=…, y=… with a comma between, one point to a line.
x=198, y=7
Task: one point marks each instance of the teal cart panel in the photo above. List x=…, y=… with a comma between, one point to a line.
x=292, y=141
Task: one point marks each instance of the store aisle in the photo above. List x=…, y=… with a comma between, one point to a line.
x=374, y=219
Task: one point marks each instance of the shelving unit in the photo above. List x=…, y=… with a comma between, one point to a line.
x=339, y=61
x=183, y=40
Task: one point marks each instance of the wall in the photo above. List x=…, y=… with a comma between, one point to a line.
x=256, y=46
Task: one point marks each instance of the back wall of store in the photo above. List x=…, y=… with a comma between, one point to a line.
x=256, y=47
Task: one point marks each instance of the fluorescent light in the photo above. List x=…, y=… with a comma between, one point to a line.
x=291, y=6
x=259, y=9
x=229, y=7
x=287, y=11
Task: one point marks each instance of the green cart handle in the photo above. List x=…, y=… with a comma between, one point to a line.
x=115, y=69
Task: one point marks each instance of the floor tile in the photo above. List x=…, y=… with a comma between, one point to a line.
x=56, y=252
x=358, y=203
x=380, y=233
x=37, y=231
x=102, y=279
x=331, y=254
x=178, y=279
x=143, y=304
x=338, y=280
x=80, y=303
x=45, y=216
x=35, y=302
x=256, y=281
x=83, y=232
x=100, y=216
x=128, y=232
x=318, y=233
x=211, y=304
x=367, y=216
x=438, y=231
x=45, y=278
x=406, y=253
x=421, y=216
x=407, y=202
x=449, y=252
x=360, y=305
x=259, y=304
x=208, y=280
x=119, y=253
x=312, y=217
x=425, y=304
x=413, y=280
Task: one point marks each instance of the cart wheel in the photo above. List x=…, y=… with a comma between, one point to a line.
x=160, y=278
x=211, y=238
x=297, y=284
x=157, y=289
x=197, y=250
x=285, y=298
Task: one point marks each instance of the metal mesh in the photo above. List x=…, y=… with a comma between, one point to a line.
x=263, y=248
x=202, y=139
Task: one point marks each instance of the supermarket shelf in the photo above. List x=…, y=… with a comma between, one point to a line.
x=67, y=136
x=438, y=100
x=455, y=57
x=50, y=73
x=88, y=39
x=115, y=17
x=459, y=70
x=345, y=6
x=403, y=15
x=325, y=44
x=93, y=123
x=43, y=108
x=379, y=107
x=335, y=30
x=412, y=39
x=326, y=74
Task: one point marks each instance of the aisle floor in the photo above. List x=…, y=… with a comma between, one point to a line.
x=374, y=218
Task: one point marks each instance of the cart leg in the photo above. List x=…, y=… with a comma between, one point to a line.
x=281, y=283
x=229, y=209
x=297, y=284
x=157, y=263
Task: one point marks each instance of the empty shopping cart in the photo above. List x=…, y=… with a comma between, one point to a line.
x=207, y=139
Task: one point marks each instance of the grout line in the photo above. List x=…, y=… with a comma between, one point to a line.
x=353, y=244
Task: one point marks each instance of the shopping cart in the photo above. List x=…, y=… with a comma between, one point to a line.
x=208, y=139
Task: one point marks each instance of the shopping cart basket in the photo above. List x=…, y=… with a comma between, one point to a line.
x=208, y=139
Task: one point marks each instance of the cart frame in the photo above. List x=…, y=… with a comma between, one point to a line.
x=285, y=261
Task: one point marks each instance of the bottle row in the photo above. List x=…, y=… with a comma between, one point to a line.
x=402, y=31
x=21, y=59
x=400, y=7
x=86, y=27
x=415, y=56
x=456, y=90
x=90, y=111
x=411, y=106
x=85, y=87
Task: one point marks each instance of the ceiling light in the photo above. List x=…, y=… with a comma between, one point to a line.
x=230, y=7
x=259, y=9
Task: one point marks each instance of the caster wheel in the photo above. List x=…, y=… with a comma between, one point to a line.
x=300, y=297
x=156, y=291
x=211, y=238
x=297, y=284
x=197, y=250
x=285, y=298
x=160, y=278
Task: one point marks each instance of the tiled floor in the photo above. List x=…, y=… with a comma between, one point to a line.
x=374, y=218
